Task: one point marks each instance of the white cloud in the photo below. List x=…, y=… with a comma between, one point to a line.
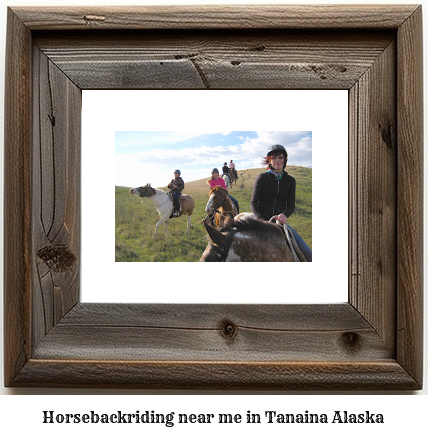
x=150, y=138
x=157, y=165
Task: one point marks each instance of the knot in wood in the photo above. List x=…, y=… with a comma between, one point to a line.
x=94, y=18
x=386, y=134
x=227, y=329
x=58, y=259
x=351, y=340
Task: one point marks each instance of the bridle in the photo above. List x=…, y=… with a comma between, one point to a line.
x=223, y=253
x=146, y=194
x=219, y=199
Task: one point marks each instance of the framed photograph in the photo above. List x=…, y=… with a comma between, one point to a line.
x=372, y=341
x=151, y=156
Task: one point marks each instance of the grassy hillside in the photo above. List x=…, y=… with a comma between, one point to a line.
x=135, y=221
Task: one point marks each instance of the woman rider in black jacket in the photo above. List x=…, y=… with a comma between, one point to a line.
x=274, y=193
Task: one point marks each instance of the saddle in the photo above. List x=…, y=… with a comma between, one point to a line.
x=181, y=199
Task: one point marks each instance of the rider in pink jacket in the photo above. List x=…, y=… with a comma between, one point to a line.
x=216, y=180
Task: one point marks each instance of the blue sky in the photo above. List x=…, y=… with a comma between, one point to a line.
x=152, y=156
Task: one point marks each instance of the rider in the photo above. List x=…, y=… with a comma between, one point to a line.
x=216, y=180
x=232, y=167
x=226, y=171
x=176, y=185
x=274, y=193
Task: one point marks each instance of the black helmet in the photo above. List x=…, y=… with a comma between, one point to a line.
x=274, y=148
x=177, y=171
x=278, y=148
x=215, y=170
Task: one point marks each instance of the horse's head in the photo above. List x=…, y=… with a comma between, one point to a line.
x=209, y=209
x=145, y=191
x=216, y=200
x=218, y=241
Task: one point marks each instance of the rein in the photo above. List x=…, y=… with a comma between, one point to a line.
x=223, y=253
x=222, y=199
x=287, y=236
x=223, y=214
x=147, y=195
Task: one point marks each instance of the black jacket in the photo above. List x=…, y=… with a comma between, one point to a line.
x=271, y=197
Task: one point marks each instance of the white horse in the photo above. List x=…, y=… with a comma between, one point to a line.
x=226, y=180
x=164, y=205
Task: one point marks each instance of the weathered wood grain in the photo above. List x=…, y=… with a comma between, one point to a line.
x=216, y=60
x=55, y=195
x=17, y=198
x=210, y=316
x=372, y=342
x=384, y=375
x=373, y=179
x=410, y=191
x=216, y=17
x=201, y=332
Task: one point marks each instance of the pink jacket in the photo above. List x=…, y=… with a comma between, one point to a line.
x=219, y=181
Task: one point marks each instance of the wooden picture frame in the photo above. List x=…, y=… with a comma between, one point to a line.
x=374, y=341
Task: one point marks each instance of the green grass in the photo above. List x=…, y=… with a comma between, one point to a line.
x=135, y=221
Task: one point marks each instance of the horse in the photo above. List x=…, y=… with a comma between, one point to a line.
x=232, y=177
x=226, y=180
x=246, y=239
x=164, y=205
x=229, y=181
x=220, y=204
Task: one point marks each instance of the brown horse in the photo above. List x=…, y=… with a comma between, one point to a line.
x=164, y=205
x=232, y=177
x=220, y=203
x=248, y=240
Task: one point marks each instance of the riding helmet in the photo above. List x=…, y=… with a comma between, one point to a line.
x=215, y=170
x=177, y=171
x=274, y=148
x=279, y=148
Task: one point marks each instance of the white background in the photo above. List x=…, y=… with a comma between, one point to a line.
x=402, y=412
x=322, y=112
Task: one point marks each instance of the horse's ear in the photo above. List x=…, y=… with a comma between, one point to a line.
x=229, y=219
x=216, y=236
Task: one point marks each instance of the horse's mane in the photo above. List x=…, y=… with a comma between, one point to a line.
x=218, y=188
x=258, y=226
